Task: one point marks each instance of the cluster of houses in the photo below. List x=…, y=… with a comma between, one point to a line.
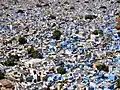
x=89, y=38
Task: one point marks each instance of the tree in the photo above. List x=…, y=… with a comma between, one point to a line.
x=14, y=57
x=11, y=61
x=102, y=67
x=100, y=32
x=21, y=78
x=118, y=34
x=88, y=55
x=34, y=53
x=61, y=70
x=29, y=79
x=118, y=83
x=95, y=32
x=10, y=41
x=30, y=50
x=118, y=1
x=22, y=40
x=52, y=16
x=77, y=32
x=2, y=75
x=56, y=34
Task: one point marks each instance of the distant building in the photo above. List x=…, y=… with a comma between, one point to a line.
x=6, y=85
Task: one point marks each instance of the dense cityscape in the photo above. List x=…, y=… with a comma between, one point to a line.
x=59, y=44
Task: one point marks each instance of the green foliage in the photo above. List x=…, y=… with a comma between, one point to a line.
x=68, y=65
x=77, y=32
x=52, y=16
x=34, y=53
x=61, y=70
x=118, y=83
x=118, y=34
x=10, y=41
x=22, y=40
x=13, y=38
x=14, y=57
x=102, y=67
x=100, y=32
x=30, y=50
x=95, y=32
x=29, y=79
x=88, y=55
x=56, y=34
x=118, y=1
x=11, y=61
x=2, y=75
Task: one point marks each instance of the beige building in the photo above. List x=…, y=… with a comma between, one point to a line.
x=118, y=23
x=6, y=85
